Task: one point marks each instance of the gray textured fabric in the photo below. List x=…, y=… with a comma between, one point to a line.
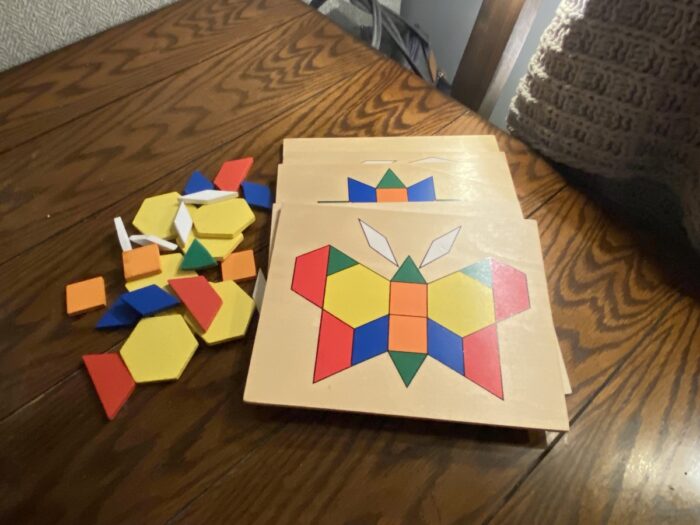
x=31, y=28
x=614, y=90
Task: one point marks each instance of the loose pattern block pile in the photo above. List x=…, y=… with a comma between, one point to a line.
x=167, y=306
x=403, y=280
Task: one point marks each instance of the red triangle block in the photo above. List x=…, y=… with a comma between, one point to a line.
x=232, y=173
x=112, y=380
x=199, y=297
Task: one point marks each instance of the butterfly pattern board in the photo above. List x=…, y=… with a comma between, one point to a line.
x=418, y=315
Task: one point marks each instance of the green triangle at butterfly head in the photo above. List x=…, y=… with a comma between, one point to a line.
x=408, y=272
x=337, y=261
x=390, y=180
x=407, y=364
x=481, y=271
x=197, y=257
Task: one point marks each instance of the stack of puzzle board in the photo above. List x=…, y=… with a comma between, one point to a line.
x=403, y=280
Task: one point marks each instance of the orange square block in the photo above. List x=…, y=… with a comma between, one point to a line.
x=408, y=334
x=85, y=296
x=408, y=299
x=239, y=266
x=392, y=195
x=141, y=262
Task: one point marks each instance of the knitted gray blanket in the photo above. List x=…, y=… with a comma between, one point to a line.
x=614, y=90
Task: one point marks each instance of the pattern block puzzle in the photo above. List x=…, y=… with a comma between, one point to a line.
x=111, y=379
x=219, y=249
x=159, y=348
x=156, y=215
x=231, y=322
x=141, y=262
x=150, y=300
x=197, y=182
x=224, y=219
x=85, y=295
x=257, y=195
x=200, y=299
x=239, y=266
x=170, y=269
x=232, y=173
x=120, y=314
x=197, y=257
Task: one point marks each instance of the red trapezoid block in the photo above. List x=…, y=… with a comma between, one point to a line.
x=112, y=380
x=334, y=350
x=482, y=363
x=309, y=278
x=510, y=293
x=199, y=297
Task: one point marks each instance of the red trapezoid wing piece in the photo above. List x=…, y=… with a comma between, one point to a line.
x=309, y=278
x=482, y=363
x=334, y=350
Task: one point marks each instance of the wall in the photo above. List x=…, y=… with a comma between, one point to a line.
x=448, y=24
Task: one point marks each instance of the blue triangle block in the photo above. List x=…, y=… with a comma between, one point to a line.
x=370, y=340
x=119, y=314
x=197, y=182
x=257, y=195
x=361, y=192
x=445, y=346
x=150, y=300
x=481, y=271
x=422, y=191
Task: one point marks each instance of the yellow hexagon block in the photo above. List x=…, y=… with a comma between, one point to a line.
x=156, y=215
x=357, y=295
x=223, y=219
x=217, y=248
x=159, y=348
x=232, y=320
x=169, y=269
x=460, y=303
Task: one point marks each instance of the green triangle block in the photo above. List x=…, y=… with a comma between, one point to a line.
x=197, y=257
x=408, y=272
x=390, y=180
x=337, y=261
x=480, y=271
x=407, y=364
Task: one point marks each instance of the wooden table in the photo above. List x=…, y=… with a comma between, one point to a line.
x=87, y=132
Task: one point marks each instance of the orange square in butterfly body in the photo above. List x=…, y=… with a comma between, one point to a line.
x=141, y=262
x=392, y=195
x=408, y=299
x=85, y=295
x=408, y=333
x=239, y=266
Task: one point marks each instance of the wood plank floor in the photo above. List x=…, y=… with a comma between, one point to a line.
x=89, y=131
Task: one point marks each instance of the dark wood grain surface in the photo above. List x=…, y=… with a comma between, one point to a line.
x=89, y=131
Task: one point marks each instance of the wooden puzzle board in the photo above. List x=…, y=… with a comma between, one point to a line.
x=447, y=143
x=479, y=185
x=277, y=208
x=447, y=209
x=283, y=361
x=420, y=157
